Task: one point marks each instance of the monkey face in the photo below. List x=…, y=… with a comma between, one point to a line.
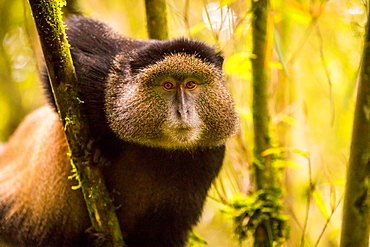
x=180, y=102
x=183, y=124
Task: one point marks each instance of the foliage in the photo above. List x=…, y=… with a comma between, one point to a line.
x=195, y=240
x=249, y=212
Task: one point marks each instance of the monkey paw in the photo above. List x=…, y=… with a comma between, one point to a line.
x=97, y=157
x=98, y=239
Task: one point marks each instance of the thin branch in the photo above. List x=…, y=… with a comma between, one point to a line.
x=327, y=73
x=327, y=222
x=308, y=202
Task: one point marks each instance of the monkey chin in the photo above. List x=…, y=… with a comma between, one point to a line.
x=185, y=136
x=180, y=138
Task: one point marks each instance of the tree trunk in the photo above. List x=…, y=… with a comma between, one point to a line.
x=156, y=19
x=48, y=19
x=355, y=224
x=264, y=177
x=261, y=115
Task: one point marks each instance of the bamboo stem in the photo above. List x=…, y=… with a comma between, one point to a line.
x=156, y=19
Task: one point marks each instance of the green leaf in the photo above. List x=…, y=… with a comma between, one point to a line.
x=279, y=50
x=195, y=240
x=319, y=200
x=239, y=64
x=287, y=164
x=226, y=2
x=274, y=150
x=301, y=153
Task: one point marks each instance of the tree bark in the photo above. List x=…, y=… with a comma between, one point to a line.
x=261, y=116
x=156, y=19
x=262, y=165
x=355, y=224
x=48, y=19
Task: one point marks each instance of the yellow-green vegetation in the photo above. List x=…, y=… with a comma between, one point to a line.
x=314, y=50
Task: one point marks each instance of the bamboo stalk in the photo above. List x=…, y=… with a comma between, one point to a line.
x=156, y=19
x=262, y=165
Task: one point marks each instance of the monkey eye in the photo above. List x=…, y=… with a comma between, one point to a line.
x=190, y=85
x=168, y=85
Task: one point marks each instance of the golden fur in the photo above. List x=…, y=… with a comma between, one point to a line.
x=35, y=164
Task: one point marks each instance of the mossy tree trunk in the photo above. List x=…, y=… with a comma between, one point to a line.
x=265, y=175
x=156, y=19
x=261, y=116
x=355, y=224
x=48, y=19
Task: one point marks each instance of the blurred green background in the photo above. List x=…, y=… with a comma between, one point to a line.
x=314, y=53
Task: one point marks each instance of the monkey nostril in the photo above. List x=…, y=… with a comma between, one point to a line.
x=178, y=114
x=182, y=113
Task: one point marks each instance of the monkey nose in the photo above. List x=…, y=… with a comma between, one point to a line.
x=182, y=114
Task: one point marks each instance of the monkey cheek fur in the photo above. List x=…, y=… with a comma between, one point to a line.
x=151, y=124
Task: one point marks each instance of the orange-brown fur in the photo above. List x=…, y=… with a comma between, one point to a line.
x=34, y=184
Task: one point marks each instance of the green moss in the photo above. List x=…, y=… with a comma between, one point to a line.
x=259, y=208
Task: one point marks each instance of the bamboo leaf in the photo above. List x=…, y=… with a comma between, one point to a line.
x=301, y=153
x=287, y=164
x=274, y=150
x=319, y=201
x=279, y=50
x=226, y=2
x=239, y=64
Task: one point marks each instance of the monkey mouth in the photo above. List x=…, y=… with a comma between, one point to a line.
x=184, y=135
x=179, y=136
x=183, y=130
